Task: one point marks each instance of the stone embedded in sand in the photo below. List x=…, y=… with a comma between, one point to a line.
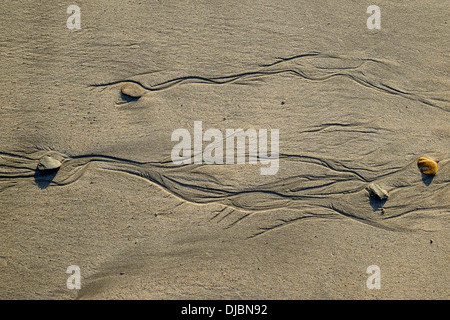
x=132, y=90
x=377, y=192
x=48, y=163
x=427, y=166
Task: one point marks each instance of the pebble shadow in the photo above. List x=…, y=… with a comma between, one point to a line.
x=43, y=178
x=427, y=179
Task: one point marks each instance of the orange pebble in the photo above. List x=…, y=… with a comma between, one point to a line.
x=427, y=166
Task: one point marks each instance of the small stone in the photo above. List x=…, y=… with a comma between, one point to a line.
x=132, y=90
x=48, y=163
x=377, y=192
x=427, y=166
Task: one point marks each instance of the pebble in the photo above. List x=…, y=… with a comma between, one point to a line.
x=427, y=166
x=377, y=192
x=132, y=90
x=48, y=163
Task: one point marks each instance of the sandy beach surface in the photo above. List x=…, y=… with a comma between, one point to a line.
x=354, y=108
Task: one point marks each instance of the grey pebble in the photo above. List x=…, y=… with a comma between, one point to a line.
x=48, y=163
x=377, y=192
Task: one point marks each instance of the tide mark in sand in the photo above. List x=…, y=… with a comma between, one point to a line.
x=267, y=207
x=313, y=66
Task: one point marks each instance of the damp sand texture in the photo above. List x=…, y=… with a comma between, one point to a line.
x=86, y=176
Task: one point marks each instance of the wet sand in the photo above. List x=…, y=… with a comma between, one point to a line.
x=354, y=107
